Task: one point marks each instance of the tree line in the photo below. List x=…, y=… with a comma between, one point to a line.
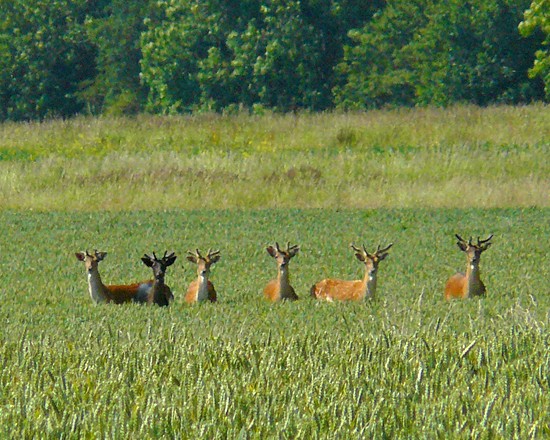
x=59, y=58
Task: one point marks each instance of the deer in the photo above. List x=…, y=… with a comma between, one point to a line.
x=460, y=285
x=159, y=293
x=99, y=292
x=356, y=290
x=202, y=289
x=280, y=288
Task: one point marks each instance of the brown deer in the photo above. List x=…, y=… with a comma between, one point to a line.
x=160, y=293
x=99, y=292
x=202, y=288
x=462, y=285
x=356, y=290
x=280, y=288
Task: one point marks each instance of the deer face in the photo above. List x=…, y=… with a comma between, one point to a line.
x=282, y=256
x=473, y=251
x=159, y=266
x=371, y=261
x=91, y=261
x=203, y=262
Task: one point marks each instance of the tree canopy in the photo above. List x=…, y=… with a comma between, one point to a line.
x=59, y=58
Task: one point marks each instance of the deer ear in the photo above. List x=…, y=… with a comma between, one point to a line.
x=272, y=251
x=81, y=256
x=100, y=255
x=171, y=260
x=192, y=258
x=147, y=261
x=294, y=251
x=462, y=246
x=360, y=256
x=215, y=259
x=382, y=256
x=485, y=246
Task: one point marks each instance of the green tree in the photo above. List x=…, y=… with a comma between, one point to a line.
x=374, y=71
x=116, y=31
x=439, y=52
x=537, y=19
x=45, y=56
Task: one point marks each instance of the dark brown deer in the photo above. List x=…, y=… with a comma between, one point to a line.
x=159, y=293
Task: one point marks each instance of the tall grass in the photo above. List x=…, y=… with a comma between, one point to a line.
x=405, y=365
x=458, y=157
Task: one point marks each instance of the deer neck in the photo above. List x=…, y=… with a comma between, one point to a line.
x=369, y=282
x=473, y=286
x=96, y=287
x=202, y=289
x=283, y=280
x=158, y=295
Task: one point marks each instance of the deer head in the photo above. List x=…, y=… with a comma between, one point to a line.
x=203, y=262
x=159, y=266
x=473, y=251
x=371, y=260
x=283, y=256
x=91, y=260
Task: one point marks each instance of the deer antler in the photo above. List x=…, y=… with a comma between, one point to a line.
x=382, y=251
x=480, y=242
x=213, y=254
x=469, y=242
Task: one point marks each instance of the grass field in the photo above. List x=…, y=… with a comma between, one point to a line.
x=456, y=158
x=404, y=365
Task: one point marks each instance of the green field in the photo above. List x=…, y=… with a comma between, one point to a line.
x=404, y=365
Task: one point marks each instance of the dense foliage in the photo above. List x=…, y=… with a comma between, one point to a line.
x=60, y=57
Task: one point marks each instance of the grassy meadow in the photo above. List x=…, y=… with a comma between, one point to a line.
x=404, y=365
x=460, y=157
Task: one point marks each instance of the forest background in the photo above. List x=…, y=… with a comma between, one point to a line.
x=59, y=58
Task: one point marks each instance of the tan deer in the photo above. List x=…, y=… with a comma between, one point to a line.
x=160, y=293
x=202, y=288
x=462, y=285
x=280, y=288
x=356, y=290
x=99, y=292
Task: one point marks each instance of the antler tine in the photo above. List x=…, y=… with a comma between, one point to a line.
x=470, y=241
x=213, y=254
x=355, y=248
x=155, y=256
x=367, y=252
x=484, y=241
x=199, y=254
x=277, y=246
x=460, y=238
x=381, y=251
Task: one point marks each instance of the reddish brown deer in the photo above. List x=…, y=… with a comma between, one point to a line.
x=280, y=288
x=356, y=290
x=466, y=285
x=99, y=292
x=202, y=288
x=160, y=293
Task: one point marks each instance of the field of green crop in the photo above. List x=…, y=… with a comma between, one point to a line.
x=404, y=365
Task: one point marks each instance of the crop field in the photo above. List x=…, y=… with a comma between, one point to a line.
x=406, y=364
